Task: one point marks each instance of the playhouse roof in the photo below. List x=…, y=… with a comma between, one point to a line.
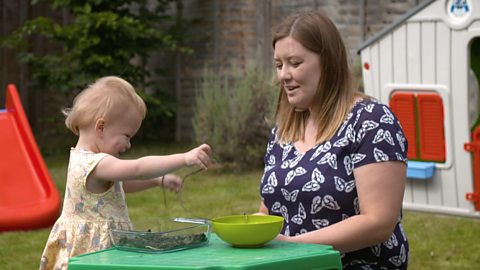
x=394, y=25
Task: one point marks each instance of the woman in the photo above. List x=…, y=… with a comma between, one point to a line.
x=335, y=165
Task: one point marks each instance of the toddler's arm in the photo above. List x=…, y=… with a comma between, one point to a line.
x=150, y=167
x=170, y=181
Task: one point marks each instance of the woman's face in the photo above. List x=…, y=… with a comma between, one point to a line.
x=298, y=71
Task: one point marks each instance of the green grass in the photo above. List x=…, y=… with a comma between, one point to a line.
x=437, y=241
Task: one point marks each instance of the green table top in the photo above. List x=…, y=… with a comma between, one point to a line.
x=216, y=255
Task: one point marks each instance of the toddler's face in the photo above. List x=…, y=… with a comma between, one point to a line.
x=119, y=130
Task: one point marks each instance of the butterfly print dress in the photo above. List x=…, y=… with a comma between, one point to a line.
x=316, y=189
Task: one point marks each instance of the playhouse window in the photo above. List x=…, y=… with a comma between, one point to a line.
x=422, y=120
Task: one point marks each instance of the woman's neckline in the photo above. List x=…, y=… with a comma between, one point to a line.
x=354, y=106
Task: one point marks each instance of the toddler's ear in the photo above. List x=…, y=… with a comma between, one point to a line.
x=99, y=125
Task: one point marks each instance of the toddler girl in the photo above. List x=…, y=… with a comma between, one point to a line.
x=105, y=116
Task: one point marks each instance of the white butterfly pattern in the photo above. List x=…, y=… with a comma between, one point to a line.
x=329, y=158
x=290, y=196
x=366, y=126
x=268, y=168
x=391, y=242
x=290, y=163
x=376, y=249
x=286, y=149
x=270, y=146
x=320, y=223
x=379, y=155
x=348, y=163
x=401, y=140
x=401, y=258
x=369, y=108
x=270, y=164
x=357, y=157
x=359, y=113
x=342, y=142
x=271, y=160
x=327, y=201
x=350, y=134
x=272, y=182
x=383, y=135
x=321, y=149
x=277, y=207
x=300, y=216
x=316, y=179
x=291, y=174
x=387, y=117
x=342, y=185
x=344, y=123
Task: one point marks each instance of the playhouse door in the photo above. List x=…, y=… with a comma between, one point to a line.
x=474, y=120
x=474, y=147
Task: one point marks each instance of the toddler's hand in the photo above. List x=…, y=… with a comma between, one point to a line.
x=199, y=156
x=172, y=182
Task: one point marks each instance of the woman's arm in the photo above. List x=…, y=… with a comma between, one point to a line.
x=380, y=188
x=263, y=210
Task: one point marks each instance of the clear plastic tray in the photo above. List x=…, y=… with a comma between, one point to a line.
x=184, y=236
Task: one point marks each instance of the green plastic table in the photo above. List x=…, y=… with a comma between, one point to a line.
x=275, y=255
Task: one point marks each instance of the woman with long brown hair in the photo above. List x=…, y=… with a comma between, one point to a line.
x=335, y=165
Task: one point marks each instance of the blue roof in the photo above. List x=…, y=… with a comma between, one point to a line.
x=394, y=25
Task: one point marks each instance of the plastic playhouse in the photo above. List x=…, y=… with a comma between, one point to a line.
x=426, y=67
x=28, y=197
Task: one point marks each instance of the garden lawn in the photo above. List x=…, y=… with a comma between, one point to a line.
x=436, y=241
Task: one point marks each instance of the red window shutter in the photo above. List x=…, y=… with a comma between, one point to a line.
x=403, y=106
x=431, y=127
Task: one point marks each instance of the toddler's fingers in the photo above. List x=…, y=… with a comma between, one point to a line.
x=206, y=148
x=205, y=159
x=178, y=186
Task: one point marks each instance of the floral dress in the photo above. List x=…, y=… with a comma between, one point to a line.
x=86, y=217
x=316, y=189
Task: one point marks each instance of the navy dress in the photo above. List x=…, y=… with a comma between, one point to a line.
x=316, y=189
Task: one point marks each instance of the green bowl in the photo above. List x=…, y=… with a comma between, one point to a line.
x=247, y=230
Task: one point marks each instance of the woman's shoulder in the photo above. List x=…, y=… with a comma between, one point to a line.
x=273, y=135
x=371, y=108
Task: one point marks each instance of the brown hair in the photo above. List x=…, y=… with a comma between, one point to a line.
x=335, y=93
x=108, y=95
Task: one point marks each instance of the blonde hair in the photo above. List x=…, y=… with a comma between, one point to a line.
x=335, y=93
x=101, y=99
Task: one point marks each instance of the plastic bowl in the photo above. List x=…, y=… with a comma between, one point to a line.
x=247, y=230
x=183, y=236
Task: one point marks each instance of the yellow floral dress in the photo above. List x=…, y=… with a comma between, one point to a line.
x=86, y=217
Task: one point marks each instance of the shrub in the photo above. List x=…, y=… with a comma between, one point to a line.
x=234, y=115
x=99, y=38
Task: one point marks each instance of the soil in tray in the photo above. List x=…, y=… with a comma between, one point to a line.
x=161, y=242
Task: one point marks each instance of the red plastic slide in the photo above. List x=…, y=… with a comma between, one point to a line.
x=28, y=197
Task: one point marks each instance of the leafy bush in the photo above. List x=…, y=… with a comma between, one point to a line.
x=234, y=115
x=100, y=38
